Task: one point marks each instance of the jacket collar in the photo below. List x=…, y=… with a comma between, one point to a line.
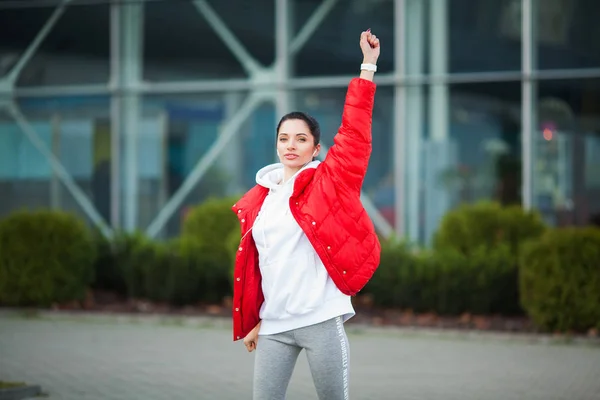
x=254, y=198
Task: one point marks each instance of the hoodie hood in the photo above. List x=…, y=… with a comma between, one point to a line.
x=271, y=175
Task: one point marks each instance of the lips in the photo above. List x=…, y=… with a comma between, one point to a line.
x=290, y=156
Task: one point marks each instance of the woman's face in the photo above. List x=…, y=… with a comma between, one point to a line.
x=295, y=143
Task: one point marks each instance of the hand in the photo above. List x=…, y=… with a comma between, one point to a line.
x=251, y=339
x=369, y=44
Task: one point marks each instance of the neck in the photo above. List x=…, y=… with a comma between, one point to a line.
x=288, y=172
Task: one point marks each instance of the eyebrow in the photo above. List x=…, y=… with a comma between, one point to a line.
x=297, y=134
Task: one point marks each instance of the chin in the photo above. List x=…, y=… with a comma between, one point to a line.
x=294, y=163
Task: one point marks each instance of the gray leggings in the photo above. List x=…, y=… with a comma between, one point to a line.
x=328, y=354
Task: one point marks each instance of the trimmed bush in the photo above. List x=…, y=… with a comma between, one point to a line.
x=483, y=282
x=446, y=282
x=45, y=257
x=487, y=224
x=398, y=279
x=560, y=279
x=186, y=282
x=212, y=221
x=180, y=272
x=121, y=261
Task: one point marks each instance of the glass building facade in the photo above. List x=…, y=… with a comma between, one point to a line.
x=129, y=112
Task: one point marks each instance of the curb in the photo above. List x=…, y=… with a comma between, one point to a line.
x=20, y=392
x=356, y=329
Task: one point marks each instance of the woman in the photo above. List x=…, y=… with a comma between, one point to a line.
x=307, y=246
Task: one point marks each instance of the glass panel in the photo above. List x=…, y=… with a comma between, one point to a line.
x=567, y=33
x=180, y=45
x=177, y=132
x=484, y=36
x=333, y=48
x=479, y=156
x=566, y=164
x=76, y=50
x=18, y=27
x=326, y=106
x=76, y=131
x=252, y=23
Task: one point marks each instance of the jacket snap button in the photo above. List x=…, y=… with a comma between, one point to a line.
x=243, y=220
x=314, y=223
x=240, y=249
x=328, y=247
x=239, y=211
x=238, y=279
x=344, y=272
x=239, y=337
x=237, y=309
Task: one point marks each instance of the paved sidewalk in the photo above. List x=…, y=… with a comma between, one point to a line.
x=106, y=358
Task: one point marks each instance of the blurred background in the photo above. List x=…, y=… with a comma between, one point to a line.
x=128, y=112
x=145, y=120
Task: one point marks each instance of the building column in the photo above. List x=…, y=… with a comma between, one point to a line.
x=283, y=23
x=408, y=117
x=528, y=100
x=126, y=74
x=440, y=151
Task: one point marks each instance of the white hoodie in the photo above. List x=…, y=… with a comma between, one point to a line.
x=297, y=288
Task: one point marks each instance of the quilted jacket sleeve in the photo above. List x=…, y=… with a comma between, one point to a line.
x=347, y=160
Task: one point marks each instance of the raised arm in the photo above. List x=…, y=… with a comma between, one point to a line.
x=348, y=158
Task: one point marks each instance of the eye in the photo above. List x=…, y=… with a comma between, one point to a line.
x=302, y=140
x=282, y=139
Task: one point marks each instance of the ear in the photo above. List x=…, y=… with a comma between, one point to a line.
x=317, y=150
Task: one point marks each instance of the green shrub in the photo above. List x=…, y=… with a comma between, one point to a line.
x=45, y=257
x=483, y=282
x=398, y=279
x=212, y=221
x=560, y=279
x=112, y=255
x=487, y=224
x=182, y=271
x=149, y=272
x=446, y=281
x=121, y=261
x=186, y=282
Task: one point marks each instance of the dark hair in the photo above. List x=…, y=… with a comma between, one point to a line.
x=312, y=123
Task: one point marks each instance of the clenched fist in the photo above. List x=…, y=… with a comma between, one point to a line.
x=369, y=44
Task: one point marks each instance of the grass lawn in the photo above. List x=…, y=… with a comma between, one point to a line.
x=8, y=385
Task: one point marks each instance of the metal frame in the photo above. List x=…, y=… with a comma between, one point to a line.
x=400, y=141
x=7, y=90
x=263, y=91
x=529, y=98
x=273, y=84
x=337, y=81
x=126, y=72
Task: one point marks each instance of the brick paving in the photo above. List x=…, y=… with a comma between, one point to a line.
x=81, y=358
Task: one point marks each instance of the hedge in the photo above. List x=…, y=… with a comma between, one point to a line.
x=486, y=259
x=45, y=257
x=560, y=279
x=446, y=282
x=488, y=225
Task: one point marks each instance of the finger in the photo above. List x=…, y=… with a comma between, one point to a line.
x=364, y=37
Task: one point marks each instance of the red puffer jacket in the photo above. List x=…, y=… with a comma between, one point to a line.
x=326, y=204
